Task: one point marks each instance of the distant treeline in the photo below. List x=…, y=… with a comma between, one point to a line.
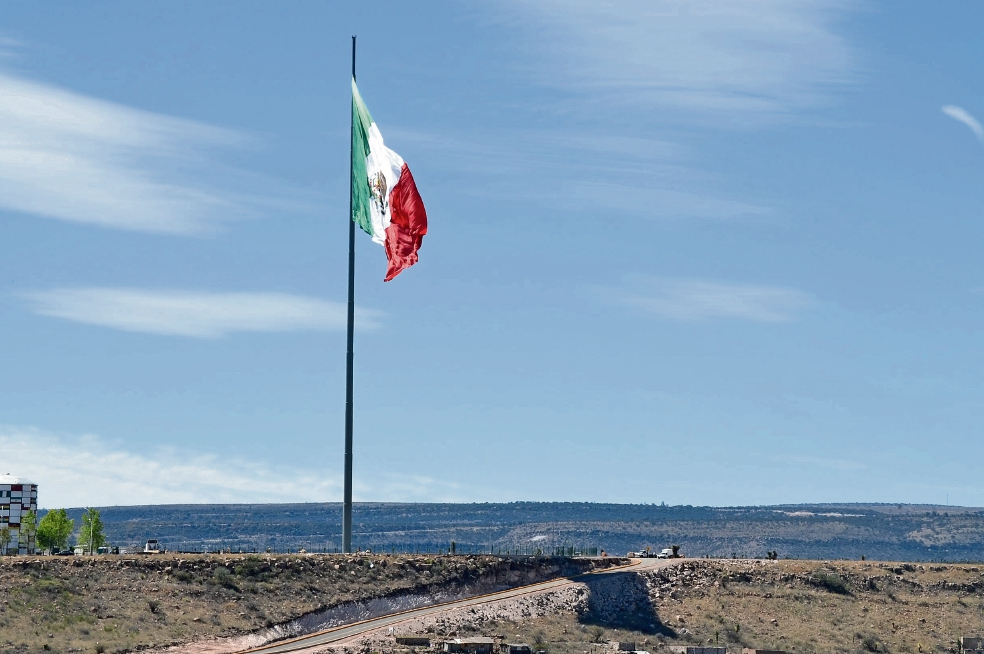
x=827, y=531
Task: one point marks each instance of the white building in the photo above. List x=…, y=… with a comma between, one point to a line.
x=17, y=497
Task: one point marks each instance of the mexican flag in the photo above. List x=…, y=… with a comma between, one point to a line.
x=385, y=201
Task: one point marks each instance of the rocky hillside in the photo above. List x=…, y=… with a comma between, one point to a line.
x=805, y=607
x=848, y=531
x=119, y=603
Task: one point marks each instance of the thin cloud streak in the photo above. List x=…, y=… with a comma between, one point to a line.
x=67, y=467
x=736, y=61
x=662, y=203
x=195, y=314
x=693, y=300
x=87, y=470
x=963, y=116
x=67, y=156
x=844, y=465
x=621, y=175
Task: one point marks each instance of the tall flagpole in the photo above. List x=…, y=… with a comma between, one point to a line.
x=347, y=507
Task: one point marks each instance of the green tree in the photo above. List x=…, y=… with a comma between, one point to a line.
x=28, y=530
x=5, y=539
x=91, y=534
x=55, y=529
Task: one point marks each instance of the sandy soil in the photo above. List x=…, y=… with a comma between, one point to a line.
x=118, y=604
x=797, y=606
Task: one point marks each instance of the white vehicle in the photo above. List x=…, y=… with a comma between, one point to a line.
x=153, y=547
x=665, y=553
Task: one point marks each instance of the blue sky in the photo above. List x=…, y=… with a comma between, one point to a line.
x=723, y=253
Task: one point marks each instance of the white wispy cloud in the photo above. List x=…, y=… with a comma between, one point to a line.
x=617, y=175
x=733, y=60
x=962, y=115
x=699, y=299
x=820, y=462
x=10, y=47
x=194, y=313
x=87, y=470
x=661, y=202
x=68, y=156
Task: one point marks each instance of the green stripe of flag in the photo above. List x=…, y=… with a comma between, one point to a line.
x=361, y=120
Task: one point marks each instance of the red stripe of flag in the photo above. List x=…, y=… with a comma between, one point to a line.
x=408, y=224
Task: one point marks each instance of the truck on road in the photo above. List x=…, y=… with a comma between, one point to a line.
x=153, y=547
x=647, y=553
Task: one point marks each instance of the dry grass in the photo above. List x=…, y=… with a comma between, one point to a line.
x=797, y=606
x=808, y=607
x=115, y=604
x=73, y=604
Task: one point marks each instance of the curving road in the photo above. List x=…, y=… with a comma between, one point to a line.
x=344, y=632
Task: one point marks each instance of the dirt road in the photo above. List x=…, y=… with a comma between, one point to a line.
x=346, y=632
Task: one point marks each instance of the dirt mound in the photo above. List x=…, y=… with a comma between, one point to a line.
x=123, y=603
x=796, y=606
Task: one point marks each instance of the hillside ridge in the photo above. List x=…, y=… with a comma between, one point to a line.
x=809, y=531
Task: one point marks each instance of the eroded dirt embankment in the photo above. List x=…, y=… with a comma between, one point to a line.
x=118, y=604
x=798, y=606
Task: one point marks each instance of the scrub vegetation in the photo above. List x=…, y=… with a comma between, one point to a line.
x=805, y=607
x=843, y=531
x=122, y=603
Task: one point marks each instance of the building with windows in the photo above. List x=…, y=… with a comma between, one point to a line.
x=17, y=497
